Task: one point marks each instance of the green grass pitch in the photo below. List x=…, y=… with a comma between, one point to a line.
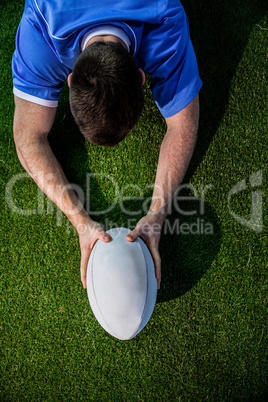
x=207, y=338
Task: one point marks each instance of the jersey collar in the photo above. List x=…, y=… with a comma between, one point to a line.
x=105, y=30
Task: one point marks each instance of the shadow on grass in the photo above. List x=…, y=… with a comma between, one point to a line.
x=187, y=249
x=67, y=143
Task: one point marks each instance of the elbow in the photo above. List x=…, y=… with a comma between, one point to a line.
x=20, y=144
x=18, y=137
x=17, y=141
x=19, y=153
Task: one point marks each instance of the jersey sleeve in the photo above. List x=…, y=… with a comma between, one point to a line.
x=37, y=73
x=167, y=54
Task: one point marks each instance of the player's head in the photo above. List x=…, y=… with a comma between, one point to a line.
x=106, y=96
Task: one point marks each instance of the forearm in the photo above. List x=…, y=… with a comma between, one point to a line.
x=175, y=155
x=39, y=161
x=32, y=123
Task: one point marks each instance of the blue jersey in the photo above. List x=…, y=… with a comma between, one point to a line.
x=50, y=35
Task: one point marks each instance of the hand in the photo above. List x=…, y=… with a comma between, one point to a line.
x=89, y=233
x=149, y=229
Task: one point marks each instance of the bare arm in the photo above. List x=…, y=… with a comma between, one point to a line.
x=175, y=154
x=174, y=158
x=32, y=124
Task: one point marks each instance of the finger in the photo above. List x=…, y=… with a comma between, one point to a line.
x=102, y=235
x=131, y=236
x=83, y=268
x=157, y=265
x=158, y=273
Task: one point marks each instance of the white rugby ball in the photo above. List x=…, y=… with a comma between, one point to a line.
x=121, y=284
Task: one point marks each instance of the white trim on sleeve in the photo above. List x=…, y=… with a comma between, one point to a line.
x=34, y=99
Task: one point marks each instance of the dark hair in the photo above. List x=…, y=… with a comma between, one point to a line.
x=106, y=96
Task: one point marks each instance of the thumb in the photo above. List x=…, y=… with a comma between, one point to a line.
x=102, y=235
x=133, y=235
